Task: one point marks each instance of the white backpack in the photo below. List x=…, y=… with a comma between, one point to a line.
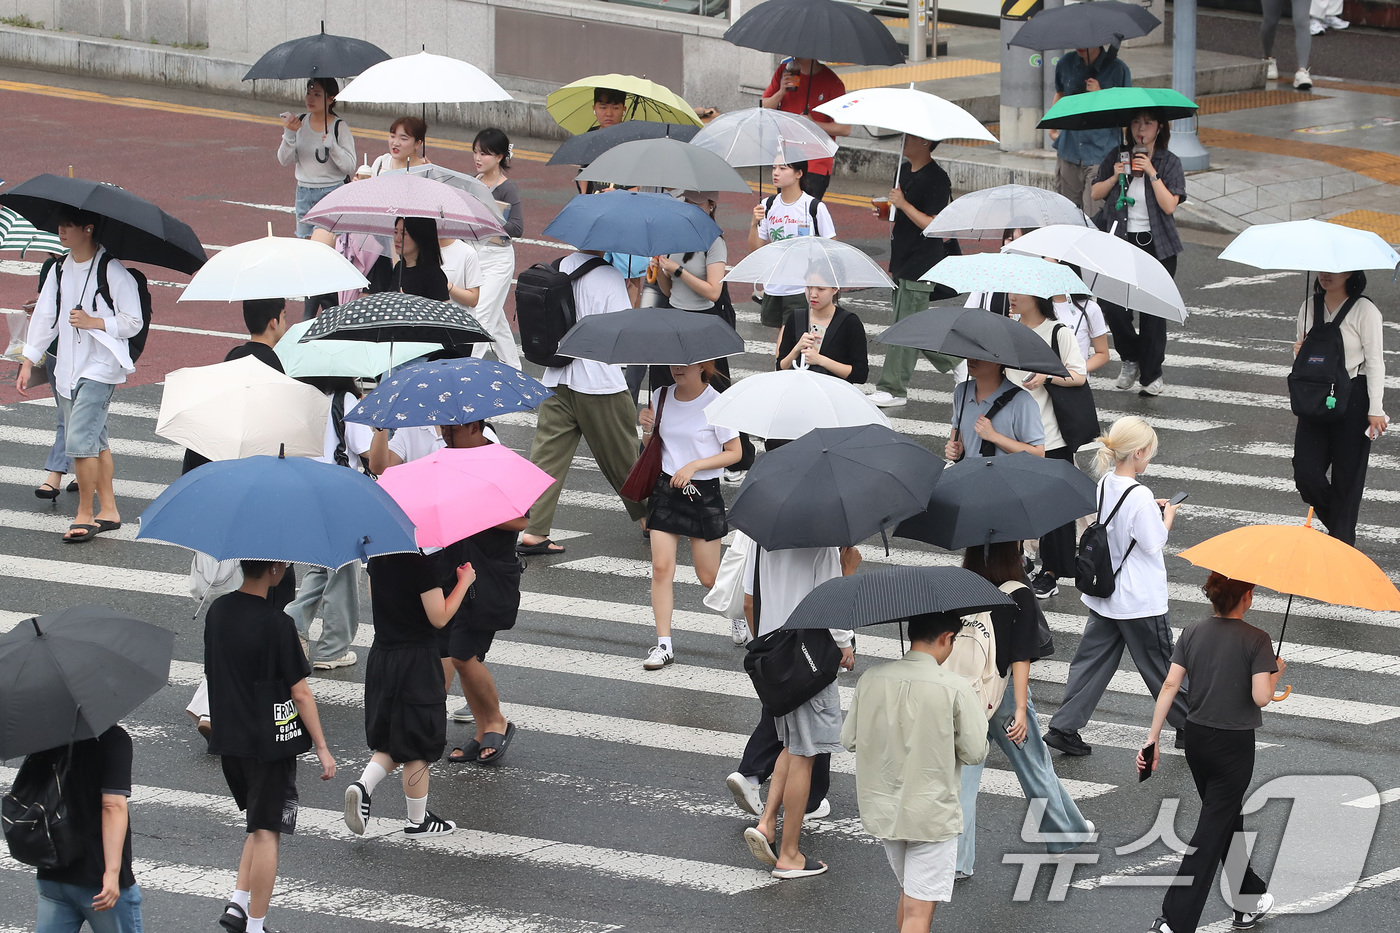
x=974, y=656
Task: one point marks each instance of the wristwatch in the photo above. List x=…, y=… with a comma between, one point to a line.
x=1154, y=177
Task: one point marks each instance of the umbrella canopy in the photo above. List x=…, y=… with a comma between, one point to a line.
x=821, y=29
x=130, y=228
x=18, y=233
x=241, y=408
x=73, y=674
x=834, y=487
x=788, y=403
x=448, y=392
x=374, y=204
x=1082, y=25
x=386, y=317
x=423, y=78
x=1114, y=269
x=279, y=508
x=895, y=594
x=655, y=336
x=1017, y=497
x=583, y=148
x=452, y=494
x=273, y=267
x=987, y=213
x=1006, y=272
x=1310, y=246
x=664, y=163
x=469, y=184
x=354, y=359
x=318, y=56
x=762, y=136
x=633, y=222
x=974, y=334
x=1115, y=107
x=571, y=106
x=810, y=260
x=905, y=110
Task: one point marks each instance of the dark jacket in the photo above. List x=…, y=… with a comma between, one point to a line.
x=844, y=342
x=1165, y=241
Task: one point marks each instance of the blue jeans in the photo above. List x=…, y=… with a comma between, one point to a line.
x=57, y=461
x=64, y=907
x=307, y=198
x=85, y=418
x=1036, y=773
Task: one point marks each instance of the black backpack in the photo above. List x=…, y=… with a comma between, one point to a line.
x=544, y=308
x=136, y=344
x=39, y=824
x=811, y=209
x=789, y=666
x=1319, y=387
x=1094, y=573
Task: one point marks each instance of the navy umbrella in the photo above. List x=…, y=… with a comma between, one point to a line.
x=974, y=334
x=392, y=317
x=834, y=487
x=655, y=336
x=635, y=223
x=318, y=56
x=1084, y=25
x=583, y=148
x=820, y=29
x=893, y=595
x=448, y=392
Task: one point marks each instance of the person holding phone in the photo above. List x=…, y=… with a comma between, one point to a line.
x=320, y=145
x=1234, y=672
x=825, y=338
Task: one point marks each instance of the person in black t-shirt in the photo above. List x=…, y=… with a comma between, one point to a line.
x=418, y=268
x=99, y=887
x=247, y=640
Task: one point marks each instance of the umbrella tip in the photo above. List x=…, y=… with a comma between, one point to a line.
x=323, y=27
x=281, y=451
x=269, y=228
x=1308, y=523
x=35, y=622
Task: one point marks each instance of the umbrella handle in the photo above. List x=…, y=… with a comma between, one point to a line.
x=1287, y=692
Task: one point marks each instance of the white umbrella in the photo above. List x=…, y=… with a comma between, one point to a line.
x=272, y=267
x=986, y=213
x=353, y=359
x=1310, y=246
x=469, y=183
x=786, y=404
x=242, y=408
x=422, y=79
x=810, y=260
x=905, y=110
x=1006, y=272
x=1114, y=269
x=760, y=136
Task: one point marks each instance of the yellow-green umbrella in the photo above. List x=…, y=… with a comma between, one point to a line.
x=572, y=105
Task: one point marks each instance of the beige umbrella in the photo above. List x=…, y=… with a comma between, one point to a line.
x=241, y=408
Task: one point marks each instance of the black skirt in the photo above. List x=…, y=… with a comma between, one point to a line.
x=405, y=702
x=672, y=511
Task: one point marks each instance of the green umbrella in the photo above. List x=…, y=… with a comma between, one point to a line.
x=1114, y=107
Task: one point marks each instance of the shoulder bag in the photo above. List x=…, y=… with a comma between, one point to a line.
x=1074, y=407
x=788, y=666
x=641, y=479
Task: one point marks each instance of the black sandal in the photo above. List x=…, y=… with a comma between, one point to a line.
x=497, y=743
x=466, y=754
x=545, y=547
x=47, y=491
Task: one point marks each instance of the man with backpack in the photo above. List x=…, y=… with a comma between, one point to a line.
x=99, y=311
x=789, y=213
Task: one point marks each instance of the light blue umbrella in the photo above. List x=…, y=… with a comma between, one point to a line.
x=354, y=359
x=448, y=392
x=1006, y=272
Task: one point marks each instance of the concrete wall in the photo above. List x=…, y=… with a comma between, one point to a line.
x=165, y=22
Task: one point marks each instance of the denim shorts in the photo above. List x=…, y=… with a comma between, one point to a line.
x=307, y=198
x=85, y=418
x=64, y=907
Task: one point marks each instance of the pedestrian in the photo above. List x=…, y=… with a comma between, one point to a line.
x=405, y=715
x=1324, y=15
x=462, y=268
x=1057, y=554
x=789, y=213
x=590, y=401
x=1079, y=152
x=1136, y=615
x=93, y=358
x=609, y=109
x=407, y=136
x=1143, y=185
x=1013, y=724
x=98, y=887
x=686, y=500
x=922, y=191
x=415, y=265
x=994, y=414
x=1083, y=316
x=995, y=302
x=248, y=642
x=56, y=463
x=495, y=255
x=774, y=583
x=915, y=728
x=1344, y=445
x=1300, y=11
x=321, y=147
x=799, y=85
x=824, y=338
x=1234, y=673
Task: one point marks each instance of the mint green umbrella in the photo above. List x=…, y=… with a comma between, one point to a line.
x=1114, y=107
x=354, y=359
x=1006, y=272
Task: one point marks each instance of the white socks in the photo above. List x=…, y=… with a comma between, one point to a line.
x=255, y=924
x=664, y=642
x=417, y=809
x=373, y=774
x=241, y=898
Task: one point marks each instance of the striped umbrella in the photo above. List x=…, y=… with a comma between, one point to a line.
x=18, y=233
x=894, y=595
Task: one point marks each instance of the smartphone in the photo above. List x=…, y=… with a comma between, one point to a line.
x=1147, y=753
x=285, y=115
x=1178, y=498
x=1010, y=724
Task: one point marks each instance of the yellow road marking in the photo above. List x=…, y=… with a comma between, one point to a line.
x=1387, y=226
x=927, y=71
x=1381, y=166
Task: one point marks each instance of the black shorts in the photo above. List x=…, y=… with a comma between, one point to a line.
x=702, y=516
x=468, y=643
x=444, y=639
x=405, y=711
x=266, y=790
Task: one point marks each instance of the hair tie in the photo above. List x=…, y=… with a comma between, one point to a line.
x=510, y=150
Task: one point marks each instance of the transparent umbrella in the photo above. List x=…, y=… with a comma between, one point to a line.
x=986, y=213
x=810, y=260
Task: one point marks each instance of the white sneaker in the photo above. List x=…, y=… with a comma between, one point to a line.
x=1271, y=73
x=1127, y=376
x=1154, y=387
x=658, y=658
x=742, y=635
x=330, y=664
x=745, y=793
x=1246, y=921
x=1302, y=79
x=823, y=810
x=1316, y=27
x=732, y=477
x=356, y=808
x=1335, y=22
x=886, y=400
x=463, y=714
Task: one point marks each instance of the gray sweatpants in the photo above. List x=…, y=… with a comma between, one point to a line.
x=1302, y=39
x=1148, y=640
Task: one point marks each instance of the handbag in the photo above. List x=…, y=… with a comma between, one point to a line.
x=279, y=729
x=789, y=666
x=641, y=479
x=493, y=599
x=727, y=595
x=1075, y=411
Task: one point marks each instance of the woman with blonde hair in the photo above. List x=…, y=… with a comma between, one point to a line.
x=1135, y=615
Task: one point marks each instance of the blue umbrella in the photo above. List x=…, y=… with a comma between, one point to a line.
x=278, y=508
x=448, y=392
x=633, y=222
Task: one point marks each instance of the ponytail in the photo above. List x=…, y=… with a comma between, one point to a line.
x=1128, y=435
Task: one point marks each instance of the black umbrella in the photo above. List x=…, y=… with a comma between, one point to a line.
x=387, y=317
x=820, y=29
x=318, y=56
x=73, y=674
x=1015, y=497
x=130, y=228
x=656, y=336
x=974, y=334
x=893, y=595
x=1084, y=25
x=834, y=487
x=583, y=148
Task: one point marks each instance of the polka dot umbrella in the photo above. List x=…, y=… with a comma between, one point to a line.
x=388, y=317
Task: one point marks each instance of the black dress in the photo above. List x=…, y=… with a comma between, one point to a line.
x=405, y=711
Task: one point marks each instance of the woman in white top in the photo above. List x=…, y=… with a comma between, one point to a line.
x=321, y=147
x=686, y=500
x=491, y=152
x=1344, y=444
x=1085, y=319
x=406, y=147
x=1136, y=614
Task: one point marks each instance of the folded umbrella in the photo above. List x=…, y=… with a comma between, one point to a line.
x=906, y=110
x=583, y=148
x=318, y=56
x=788, y=403
x=893, y=595
x=73, y=674
x=423, y=78
x=820, y=29
x=633, y=222
x=664, y=163
x=987, y=213
x=762, y=136
x=354, y=359
x=974, y=334
x=272, y=267
x=470, y=184
x=1006, y=272
x=810, y=260
x=448, y=392
x=386, y=317
x=374, y=204
x=1114, y=269
x=1083, y=25
x=1114, y=107
x=1311, y=246
x=655, y=336
x=571, y=106
x=19, y=234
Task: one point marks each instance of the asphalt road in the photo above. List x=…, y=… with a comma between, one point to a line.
x=1356, y=54
x=610, y=811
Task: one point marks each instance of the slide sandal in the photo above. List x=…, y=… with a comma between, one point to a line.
x=544, y=547
x=107, y=525
x=88, y=533
x=808, y=869
x=469, y=752
x=497, y=744
x=761, y=848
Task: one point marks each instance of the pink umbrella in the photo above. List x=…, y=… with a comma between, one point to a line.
x=454, y=493
x=372, y=206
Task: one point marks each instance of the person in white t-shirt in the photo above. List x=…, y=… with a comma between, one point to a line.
x=686, y=500
x=463, y=271
x=787, y=214
x=1085, y=318
x=1136, y=614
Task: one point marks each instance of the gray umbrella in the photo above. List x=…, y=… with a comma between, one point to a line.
x=664, y=163
x=655, y=336
x=987, y=213
x=894, y=595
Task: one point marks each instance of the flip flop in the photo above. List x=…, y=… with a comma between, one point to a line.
x=808, y=869
x=544, y=547
x=469, y=752
x=107, y=525
x=761, y=848
x=499, y=744
x=47, y=491
x=89, y=532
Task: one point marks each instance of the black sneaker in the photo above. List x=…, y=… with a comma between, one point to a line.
x=1044, y=585
x=356, y=808
x=1028, y=566
x=1159, y=926
x=432, y=825
x=1247, y=921
x=1068, y=742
